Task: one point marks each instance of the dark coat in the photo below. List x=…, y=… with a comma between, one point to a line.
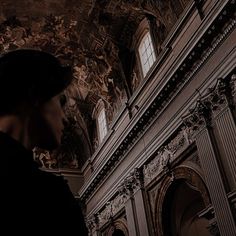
x=34, y=202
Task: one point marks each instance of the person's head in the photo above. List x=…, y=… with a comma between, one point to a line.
x=31, y=82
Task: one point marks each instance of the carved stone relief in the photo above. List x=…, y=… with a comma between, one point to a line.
x=167, y=153
x=111, y=209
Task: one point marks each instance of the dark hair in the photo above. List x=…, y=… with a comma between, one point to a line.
x=28, y=75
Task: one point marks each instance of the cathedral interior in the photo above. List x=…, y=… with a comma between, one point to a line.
x=150, y=143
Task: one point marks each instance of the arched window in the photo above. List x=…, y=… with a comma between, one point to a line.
x=146, y=53
x=99, y=114
x=102, y=124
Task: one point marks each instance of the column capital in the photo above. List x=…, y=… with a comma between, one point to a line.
x=93, y=223
x=212, y=103
x=132, y=183
x=233, y=87
x=220, y=96
x=199, y=117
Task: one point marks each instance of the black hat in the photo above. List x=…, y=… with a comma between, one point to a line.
x=30, y=75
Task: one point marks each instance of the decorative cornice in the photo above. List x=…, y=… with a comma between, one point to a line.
x=222, y=26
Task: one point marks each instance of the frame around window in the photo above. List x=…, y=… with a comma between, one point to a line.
x=146, y=53
x=142, y=31
x=99, y=114
x=102, y=124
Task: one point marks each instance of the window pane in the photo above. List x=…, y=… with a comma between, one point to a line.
x=146, y=53
x=102, y=124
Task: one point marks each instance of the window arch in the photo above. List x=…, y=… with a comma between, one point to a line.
x=146, y=53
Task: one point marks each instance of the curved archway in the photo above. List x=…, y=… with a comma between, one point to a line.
x=119, y=228
x=182, y=196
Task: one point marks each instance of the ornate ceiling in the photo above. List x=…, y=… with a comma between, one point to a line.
x=90, y=35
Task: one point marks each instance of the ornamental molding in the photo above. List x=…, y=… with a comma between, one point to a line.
x=217, y=32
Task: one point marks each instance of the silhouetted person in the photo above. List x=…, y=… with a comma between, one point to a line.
x=32, y=201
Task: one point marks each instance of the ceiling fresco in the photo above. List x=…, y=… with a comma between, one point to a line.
x=91, y=36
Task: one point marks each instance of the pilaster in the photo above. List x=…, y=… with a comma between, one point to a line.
x=222, y=107
x=201, y=119
x=140, y=202
x=126, y=190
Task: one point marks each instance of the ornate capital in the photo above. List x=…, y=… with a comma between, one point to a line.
x=214, y=101
x=233, y=87
x=138, y=177
x=132, y=183
x=220, y=96
x=199, y=117
x=92, y=223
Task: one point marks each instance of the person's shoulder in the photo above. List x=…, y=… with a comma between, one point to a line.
x=49, y=180
x=39, y=173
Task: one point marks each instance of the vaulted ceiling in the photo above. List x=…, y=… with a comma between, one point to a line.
x=89, y=35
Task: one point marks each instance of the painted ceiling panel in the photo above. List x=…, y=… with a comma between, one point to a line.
x=89, y=35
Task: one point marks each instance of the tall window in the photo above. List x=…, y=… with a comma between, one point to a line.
x=102, y=124
x=146, y=53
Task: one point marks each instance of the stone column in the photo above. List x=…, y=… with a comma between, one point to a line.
x=221, y=102
x=131, y=217
x=200, y=119
x=135, y=206
x=141, y=203
x=127, y=191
